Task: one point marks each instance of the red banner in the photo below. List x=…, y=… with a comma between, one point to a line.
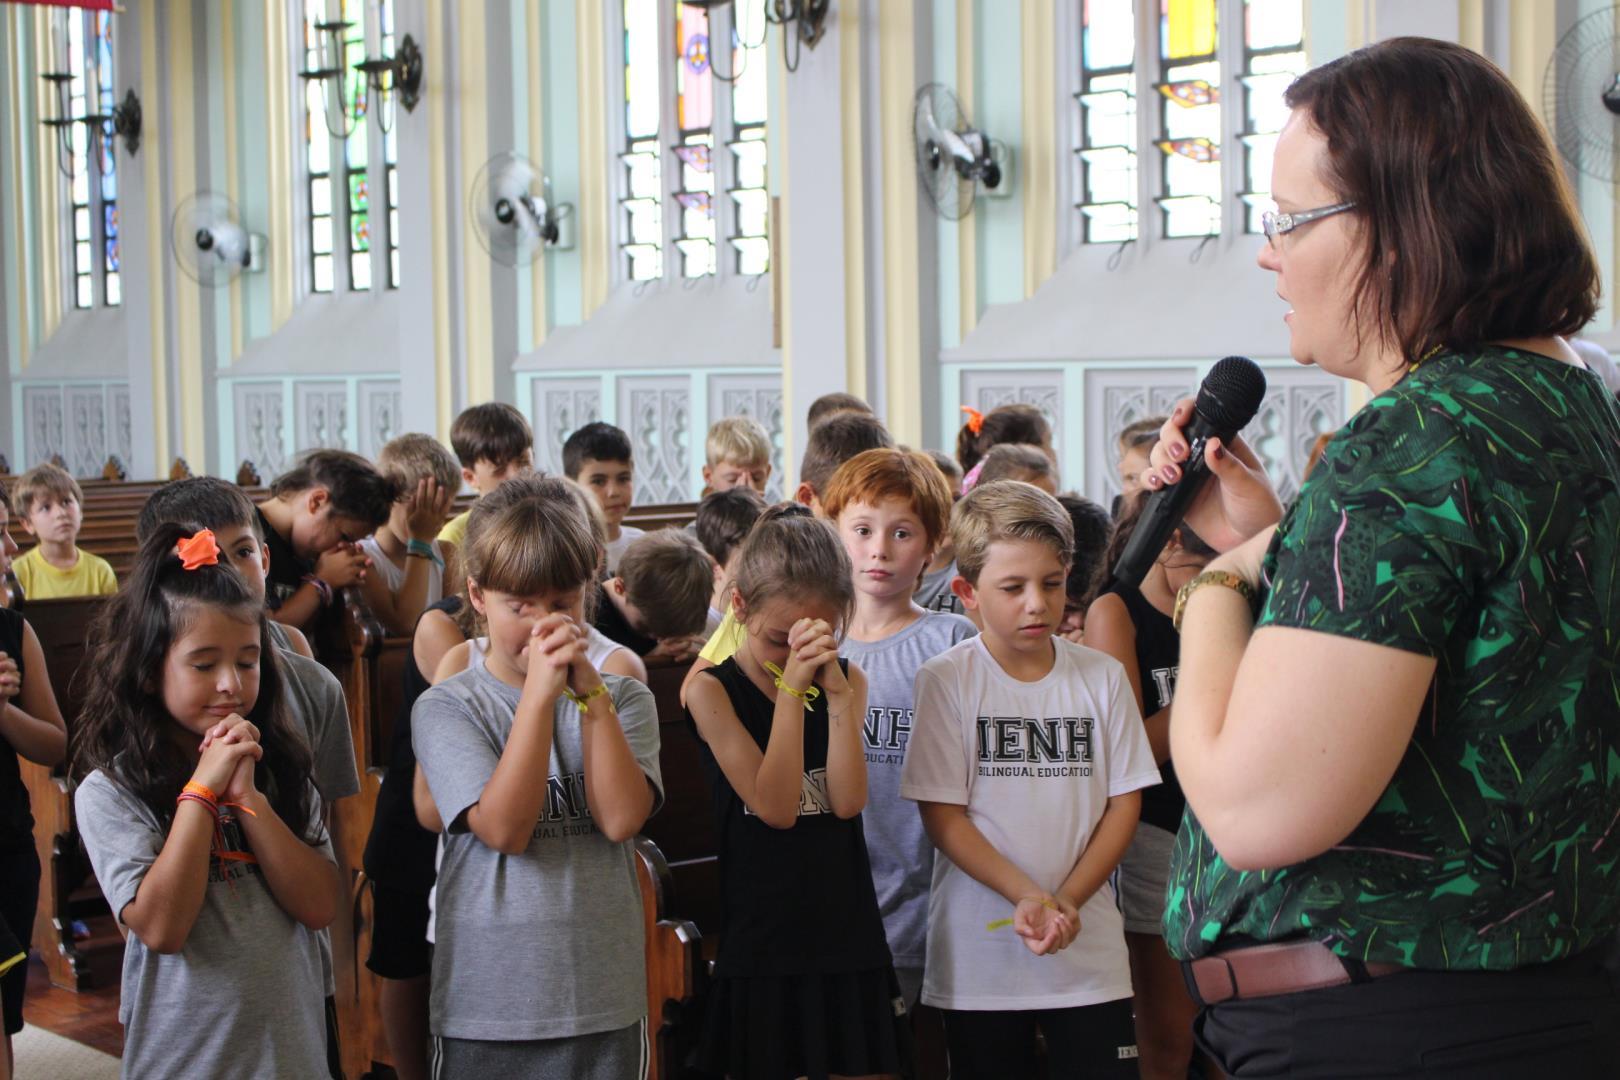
x=93, y=5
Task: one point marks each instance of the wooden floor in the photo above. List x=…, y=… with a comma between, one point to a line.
x=90, y=1017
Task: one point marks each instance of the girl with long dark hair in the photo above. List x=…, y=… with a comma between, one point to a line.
x=203, y=826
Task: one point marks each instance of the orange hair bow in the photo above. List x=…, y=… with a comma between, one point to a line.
x=199, y=550
x=975, y=419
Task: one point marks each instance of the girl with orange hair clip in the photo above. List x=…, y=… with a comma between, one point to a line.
x=204, y=828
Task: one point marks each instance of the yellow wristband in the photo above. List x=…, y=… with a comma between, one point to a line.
x=584, y=700
x=807, y=695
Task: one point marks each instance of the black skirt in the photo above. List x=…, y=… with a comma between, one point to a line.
x=777, y=1027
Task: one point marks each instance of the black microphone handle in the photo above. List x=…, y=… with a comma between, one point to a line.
x=1166, y=507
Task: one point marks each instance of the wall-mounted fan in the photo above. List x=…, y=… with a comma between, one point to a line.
x=513, y=212
x=209, y=241
x=1581, y=93
x=953, y=157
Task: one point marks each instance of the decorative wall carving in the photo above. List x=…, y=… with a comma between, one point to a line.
x=1116, y=398
x=82, y=423
x=557, y=409
x=85, y=429
x=260, y=424
x=379, y=401
x=1299, y=406
x=759, y=397
x=119, y=423
x=655, y=410
x=42, y=425
x=320, y=415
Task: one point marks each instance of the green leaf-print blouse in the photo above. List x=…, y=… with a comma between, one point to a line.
x=1470, y=513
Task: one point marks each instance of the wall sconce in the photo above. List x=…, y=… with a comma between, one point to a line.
x=383, y=74
x=123, y=121
x=810, y=15
x=403, y=71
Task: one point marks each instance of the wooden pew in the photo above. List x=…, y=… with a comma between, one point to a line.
x=684, y=828
x=68, y=890
x=356, y=650
x=675, y=969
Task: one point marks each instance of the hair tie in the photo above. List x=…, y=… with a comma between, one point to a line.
x=972, y=477
x=199, y=550
x=975, y=419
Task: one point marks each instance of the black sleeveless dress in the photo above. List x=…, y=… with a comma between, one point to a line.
x=19, y=861
x=804, y=984
x=1158, y=659
x=400, y=854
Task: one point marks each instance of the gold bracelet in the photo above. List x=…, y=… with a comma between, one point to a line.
x=1210, y=577
x=807, y=695
x=584, y=700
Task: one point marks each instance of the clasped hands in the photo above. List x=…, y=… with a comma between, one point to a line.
x=813, y=658
x=556, y=650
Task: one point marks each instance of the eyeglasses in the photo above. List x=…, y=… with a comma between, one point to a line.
x=1274, y=224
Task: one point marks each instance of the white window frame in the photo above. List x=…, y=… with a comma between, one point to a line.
x=1150, y=228
x=380, y=212
x=722, y=134
x=65, y=240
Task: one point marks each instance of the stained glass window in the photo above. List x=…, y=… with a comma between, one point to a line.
x=1106, y=154
x=111, y=282
x=391, y=161
x=750, y=67
x=319, y=55
x=84, y=272
x=641, y=205
x=339, y=127
x=694, y=141
x=1190, y=136
x=357, y=181
x=1273, y=57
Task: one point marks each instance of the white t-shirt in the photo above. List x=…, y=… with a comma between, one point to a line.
x=615, y=548
x=1035, y=764
x=394, y=576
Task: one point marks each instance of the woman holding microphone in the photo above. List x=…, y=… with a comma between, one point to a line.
x=1397, y=722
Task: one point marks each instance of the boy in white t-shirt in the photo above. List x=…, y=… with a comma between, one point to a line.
x=1027, y=754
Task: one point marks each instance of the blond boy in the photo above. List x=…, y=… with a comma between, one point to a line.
x=738, y=454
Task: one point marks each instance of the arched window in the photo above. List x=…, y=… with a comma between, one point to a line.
x=1190, y=132
x=350, y=150
x=677, y=187
x=92, y=174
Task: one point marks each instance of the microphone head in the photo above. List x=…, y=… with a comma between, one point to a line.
x=1231, y=393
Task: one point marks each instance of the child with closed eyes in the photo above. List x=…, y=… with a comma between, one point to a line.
x=197, y=808
x=803, y=982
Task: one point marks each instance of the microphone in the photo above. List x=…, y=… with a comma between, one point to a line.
x=1228, y=399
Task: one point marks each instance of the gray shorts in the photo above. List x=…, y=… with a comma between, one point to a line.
x=1144, y=877
x=910, y=980
x=604, y=1055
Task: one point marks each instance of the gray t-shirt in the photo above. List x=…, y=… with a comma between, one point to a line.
x=546, y=944
x=934, y=594
x=315, y=699
x=316, y=704
x=902, y=857
x=243, y=998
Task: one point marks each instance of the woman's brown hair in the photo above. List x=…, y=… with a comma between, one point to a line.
x=1471, y=231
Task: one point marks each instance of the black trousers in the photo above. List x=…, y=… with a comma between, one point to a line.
x=1082, y=1042
x=1557, y=1020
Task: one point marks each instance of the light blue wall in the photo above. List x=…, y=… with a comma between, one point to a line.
x=998, y=108
x=558, y=36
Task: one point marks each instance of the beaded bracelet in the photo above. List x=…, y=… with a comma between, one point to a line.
x=584, y=700
x=321, y=588
x=807, y=695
